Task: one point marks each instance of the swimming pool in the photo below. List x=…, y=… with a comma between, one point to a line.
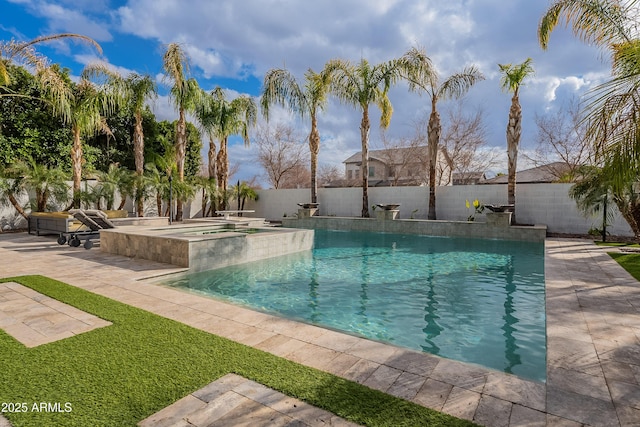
x=478, y=301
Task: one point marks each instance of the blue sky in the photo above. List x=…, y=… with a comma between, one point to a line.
x=233, y=43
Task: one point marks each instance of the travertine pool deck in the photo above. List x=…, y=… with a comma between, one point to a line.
x=593, y=337
x=35, y=319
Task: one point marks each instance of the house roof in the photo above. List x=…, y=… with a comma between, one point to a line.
x=395, y=155
x=467, y=175
x=373, y=183
x=541, y=174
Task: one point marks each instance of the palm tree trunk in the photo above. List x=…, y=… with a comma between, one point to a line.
x=76, y=165
x=314, y=149
x=212, y=158
x=181, y=150
x=514, y=130
x=222, y=166
x=41, y=200
x=631, y=213
x=138, y=154
x=364, y=135
x=433, y=133
x=16, y=205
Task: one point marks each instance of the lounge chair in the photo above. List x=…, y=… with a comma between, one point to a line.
x=93, y=220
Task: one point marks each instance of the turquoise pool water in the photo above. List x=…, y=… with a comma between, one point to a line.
x=478, y=301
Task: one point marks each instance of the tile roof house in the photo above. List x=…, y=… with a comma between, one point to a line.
x=542, y=174
x=388, y=167
x=467, y=178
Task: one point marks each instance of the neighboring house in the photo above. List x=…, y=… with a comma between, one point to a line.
x=467, y=178
x=552, y=172
x=388, y=167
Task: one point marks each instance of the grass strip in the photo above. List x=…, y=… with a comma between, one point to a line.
x=121, y=374
x=618, y=244
x=628, y=261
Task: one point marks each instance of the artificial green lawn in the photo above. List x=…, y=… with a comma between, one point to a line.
x=618, y=244
x=629, y=261
x=121, y=374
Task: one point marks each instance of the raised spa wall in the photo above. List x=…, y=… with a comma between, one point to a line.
x=494, y=229
x=178, y=245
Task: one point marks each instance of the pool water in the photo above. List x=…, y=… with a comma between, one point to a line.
x=478, y=301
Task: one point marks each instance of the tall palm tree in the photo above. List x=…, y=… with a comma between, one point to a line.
x=423, y=77
x=208, y=115
x=611, y=109
x=139, y=89
x=135, y=90
x=512, y=78
x=235, y=118
x=81, y=104
x=361, y=85
x=88, y=104
x=185, y=94
x=280, y=87
x=160, y=170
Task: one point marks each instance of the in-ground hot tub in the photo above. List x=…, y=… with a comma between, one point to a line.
x=205, y=246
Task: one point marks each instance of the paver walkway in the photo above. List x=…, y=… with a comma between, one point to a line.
x=35, y=319
x=234, y=401
x=593, y=333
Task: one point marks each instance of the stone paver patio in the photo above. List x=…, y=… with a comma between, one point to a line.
x=35, y=319
x=236, y=401
x=593, y=338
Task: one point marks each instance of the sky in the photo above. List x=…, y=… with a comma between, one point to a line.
x=232, y=44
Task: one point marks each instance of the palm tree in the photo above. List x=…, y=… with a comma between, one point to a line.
x=611, y=110
x=139, y=89
x=135, y=89
x=185, y=94
x=115, y=180
x=235, y=117
x=156, y=178
x=281, y=87
x=160, y=171
x=605, y=23
x=423, y=77
x=513, y=76
x=87, y=104
x=55, y=85
x=241, y=192
x=31, y=177
x=361, y=85
x=208, y=115
x=596, y=192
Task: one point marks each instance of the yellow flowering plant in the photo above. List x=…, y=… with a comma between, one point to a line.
x=477, y=207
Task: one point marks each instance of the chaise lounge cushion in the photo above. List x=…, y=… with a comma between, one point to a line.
x=53, y=223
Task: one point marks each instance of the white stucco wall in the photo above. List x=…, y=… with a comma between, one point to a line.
x=547, y=204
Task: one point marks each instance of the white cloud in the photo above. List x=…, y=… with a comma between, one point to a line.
x=68, y=20
x=208, y=61
x=93, y=59
x=238, y=39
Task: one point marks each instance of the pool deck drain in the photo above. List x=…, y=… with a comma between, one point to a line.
x=593, y=337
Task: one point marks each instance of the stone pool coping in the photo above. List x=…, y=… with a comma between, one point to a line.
x=205, y=245
x=593, y=330
x=467, y=229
